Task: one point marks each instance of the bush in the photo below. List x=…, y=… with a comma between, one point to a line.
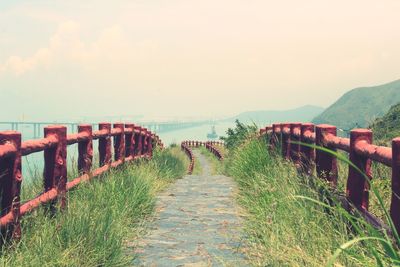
x=236, y=136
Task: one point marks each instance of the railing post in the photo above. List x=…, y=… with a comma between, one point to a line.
x=130, y=140
x=285, y=140
x=326, y=163
x=307, y=154
x=10, y=184
x=395, y=202
x=144, y=142
x=295, y=148
x=105, y=145
x=357, y=187
x=150, y=144
x=119, y=142
x=55, y=164
x=138, y=141
x=274, y=141
x=85, y=149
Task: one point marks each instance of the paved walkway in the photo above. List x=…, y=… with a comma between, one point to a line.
x=197, y=224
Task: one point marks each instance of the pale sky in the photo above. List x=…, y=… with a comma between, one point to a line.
x=190, y=58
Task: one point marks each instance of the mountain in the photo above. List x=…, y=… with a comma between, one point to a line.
x=264, y=117
x=387, y=127
x=361, y=106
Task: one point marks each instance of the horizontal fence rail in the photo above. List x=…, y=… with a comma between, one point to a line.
x=212, y=146
x=290, y=137
x=128, y=141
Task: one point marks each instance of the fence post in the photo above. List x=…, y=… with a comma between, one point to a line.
x=144, y=142
x=274, y=141
x=85, y=149
x=295, y=148
x=119, y=142
x=55, y=164
x=357, y=187
x=150, y=144
x=138, y=141
x=10, y=184
x=307, y=154
x=285, y=140
x=326, y=164
x=130, y=140
x=395, y=202
x=105, y=145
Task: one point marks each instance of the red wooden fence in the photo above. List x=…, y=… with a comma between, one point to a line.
x=361, y=153
x=189, y=152
x=130, y=142
x=210, y=145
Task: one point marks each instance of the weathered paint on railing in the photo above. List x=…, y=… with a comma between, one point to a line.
x=361, y=153
x=130, y=142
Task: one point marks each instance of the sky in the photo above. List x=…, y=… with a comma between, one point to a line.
x=187, y=58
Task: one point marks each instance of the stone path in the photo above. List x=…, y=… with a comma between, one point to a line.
x=197, y=224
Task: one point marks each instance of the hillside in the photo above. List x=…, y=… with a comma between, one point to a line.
x=361, y=106
x=387, y=127
x=263, y=117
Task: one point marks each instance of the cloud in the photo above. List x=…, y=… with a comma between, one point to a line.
x=67, y=47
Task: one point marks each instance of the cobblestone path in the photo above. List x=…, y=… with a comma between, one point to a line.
x=197, y=224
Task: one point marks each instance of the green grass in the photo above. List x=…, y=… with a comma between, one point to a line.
x=103, y=216
x=217, y=166
x=288, y=222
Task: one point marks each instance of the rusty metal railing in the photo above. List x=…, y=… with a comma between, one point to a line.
x=130, y=143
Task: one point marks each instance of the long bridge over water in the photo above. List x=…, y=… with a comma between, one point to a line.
x=156, y=127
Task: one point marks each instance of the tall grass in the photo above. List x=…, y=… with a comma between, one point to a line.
x=217, y=166
x=102, y=216
x=289, y=222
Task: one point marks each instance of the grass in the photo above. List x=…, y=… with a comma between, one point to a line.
x=381, y=181
x=102, y=216
x=217, y=166
x=289, y=222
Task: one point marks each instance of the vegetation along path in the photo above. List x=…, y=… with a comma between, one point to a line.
x=197, y=224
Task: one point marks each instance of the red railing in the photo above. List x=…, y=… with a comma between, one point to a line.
x=361, y=151
x=130, y=142
x=189, y=152
x=212, y=146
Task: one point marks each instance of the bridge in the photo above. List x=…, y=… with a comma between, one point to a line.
x=154, y=126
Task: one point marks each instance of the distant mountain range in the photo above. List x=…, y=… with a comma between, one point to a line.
x=361, y=106
x=264, y=117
